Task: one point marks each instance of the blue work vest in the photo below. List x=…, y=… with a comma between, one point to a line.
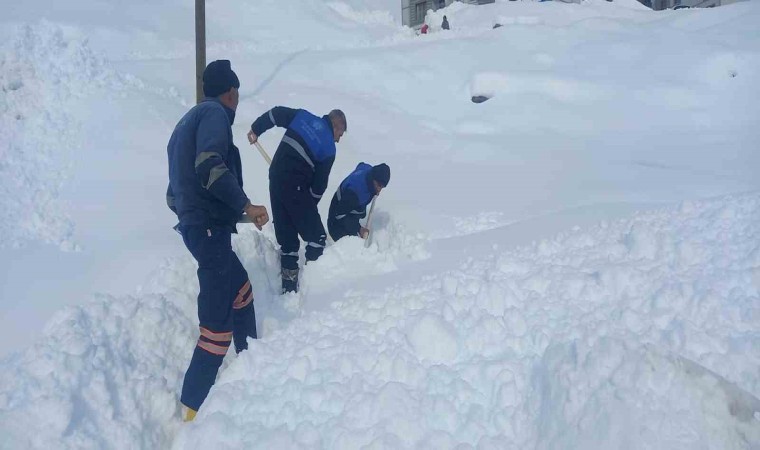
x=316, y=133
x=357, y=183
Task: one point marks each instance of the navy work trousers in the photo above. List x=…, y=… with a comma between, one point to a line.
x=225, y=308
x=294, y=212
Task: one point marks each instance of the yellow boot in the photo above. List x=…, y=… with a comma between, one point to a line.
x=188, y=414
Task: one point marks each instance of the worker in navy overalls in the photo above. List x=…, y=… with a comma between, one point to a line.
x=297, y=179
x=206, y=192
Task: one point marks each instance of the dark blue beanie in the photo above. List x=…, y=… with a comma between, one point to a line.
x=218, y=78
x=382, y=174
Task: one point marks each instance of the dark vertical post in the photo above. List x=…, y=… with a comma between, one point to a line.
x=200, y=47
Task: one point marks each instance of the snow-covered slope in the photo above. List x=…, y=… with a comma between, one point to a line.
x=572, y=264
x=571, y=342
x=644, y=326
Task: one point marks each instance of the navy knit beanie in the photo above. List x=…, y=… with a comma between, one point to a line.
x=382, y=174
x=218, y=78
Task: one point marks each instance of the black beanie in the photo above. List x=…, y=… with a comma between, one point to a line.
x=218, y=78
x=382, y=174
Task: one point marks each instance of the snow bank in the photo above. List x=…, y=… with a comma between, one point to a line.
x=46, y=70
x=107, y=374
x=601, y=396
x=571, y=342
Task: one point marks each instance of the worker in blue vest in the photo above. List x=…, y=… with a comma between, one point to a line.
x=297, y=179
x=349, y=204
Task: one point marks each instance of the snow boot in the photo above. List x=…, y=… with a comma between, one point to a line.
x=188, y=414
x=289, y=280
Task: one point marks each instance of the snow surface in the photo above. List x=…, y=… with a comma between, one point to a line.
x=574, y=263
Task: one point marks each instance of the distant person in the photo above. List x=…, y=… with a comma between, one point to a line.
x=297, y=179
x=349, y=204
x=445, y=23
x=424, y=29
x=206, y=192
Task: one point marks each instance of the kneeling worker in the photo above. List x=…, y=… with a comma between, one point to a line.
x=349, y=204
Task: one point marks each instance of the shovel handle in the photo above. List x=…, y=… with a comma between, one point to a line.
x=369, y=218
x=263, y=153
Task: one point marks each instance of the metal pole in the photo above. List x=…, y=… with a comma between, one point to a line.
x=200, y=47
